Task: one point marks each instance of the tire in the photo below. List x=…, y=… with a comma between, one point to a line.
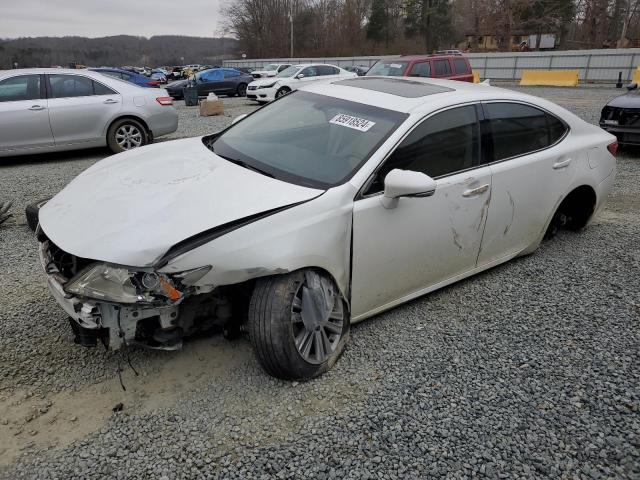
x=241, y=91
x=126, y=134
x=282, y=92
x=276, y=321
x=32, y=211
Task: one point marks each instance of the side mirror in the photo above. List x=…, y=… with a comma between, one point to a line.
x=238, y=118
x=406, y=183
x=300, y=75
x=632, y=86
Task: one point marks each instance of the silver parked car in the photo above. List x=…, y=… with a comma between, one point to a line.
x=43, y=110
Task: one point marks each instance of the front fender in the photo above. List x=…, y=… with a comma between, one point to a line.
x=314, y=234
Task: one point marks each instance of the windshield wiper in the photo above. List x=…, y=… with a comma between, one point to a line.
x=247, y=166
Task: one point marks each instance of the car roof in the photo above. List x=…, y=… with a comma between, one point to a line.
x=413, y=58
x=401, y=93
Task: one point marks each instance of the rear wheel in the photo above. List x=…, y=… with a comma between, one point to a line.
x=282, y=92
x=242, y=90
x=126, y=134
x=298, y=324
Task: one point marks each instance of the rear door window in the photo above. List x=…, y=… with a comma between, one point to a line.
x=442, y=67
x=422, y=69
x=517, y=129
x=22, y=87
x=327, y=70
x=231, y=73
x=460, y=65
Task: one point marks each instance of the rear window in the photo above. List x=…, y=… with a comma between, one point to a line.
x=518, y=129
x=442, y=68
x=460, y=65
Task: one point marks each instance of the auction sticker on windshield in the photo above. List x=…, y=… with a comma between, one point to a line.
x=356, y=123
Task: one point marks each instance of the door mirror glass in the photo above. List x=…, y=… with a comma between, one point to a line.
x=300, y=75
x=406, y=183
x=238, y=118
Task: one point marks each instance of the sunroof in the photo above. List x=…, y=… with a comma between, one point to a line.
x=395, y=86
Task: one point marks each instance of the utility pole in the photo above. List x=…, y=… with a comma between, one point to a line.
x=291, y=28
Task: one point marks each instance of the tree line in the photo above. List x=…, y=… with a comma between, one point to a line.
x=115, y=51
x=370, y=27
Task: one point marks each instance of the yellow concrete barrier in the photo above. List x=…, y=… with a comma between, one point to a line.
x=555, y=78
x=476, y=76
x=636, y=76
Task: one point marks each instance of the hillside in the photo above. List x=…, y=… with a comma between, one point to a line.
x=118, y=50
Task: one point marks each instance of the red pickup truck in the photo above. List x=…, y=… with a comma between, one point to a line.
x=451, y=67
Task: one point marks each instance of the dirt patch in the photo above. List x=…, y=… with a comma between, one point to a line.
x=54, y=421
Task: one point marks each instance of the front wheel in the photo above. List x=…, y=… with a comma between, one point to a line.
x=282, y=92
x=298, y=324
x=126, y=134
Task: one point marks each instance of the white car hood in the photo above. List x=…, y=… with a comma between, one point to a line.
x=266, y=81
x=131, y=208
x=270, y=73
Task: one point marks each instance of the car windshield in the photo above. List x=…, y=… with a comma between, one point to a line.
x=271, y=66
x=289, y=71
x=388, y=68
x=307, y=139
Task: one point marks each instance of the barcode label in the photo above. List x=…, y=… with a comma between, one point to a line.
x=356, y=123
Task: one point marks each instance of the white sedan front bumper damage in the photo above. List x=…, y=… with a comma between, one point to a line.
x=118, y=325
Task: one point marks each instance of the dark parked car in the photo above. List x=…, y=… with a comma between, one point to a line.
x=621, y=117
x=221, y=81
x=129, y=76
x=450, y=67
x=175, y=89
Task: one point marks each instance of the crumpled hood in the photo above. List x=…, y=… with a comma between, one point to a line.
x=628, y=100
x=131, y=208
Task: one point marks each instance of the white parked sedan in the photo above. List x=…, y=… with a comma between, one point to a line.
x=44, y=110
x=331, y=205
x=296, y=76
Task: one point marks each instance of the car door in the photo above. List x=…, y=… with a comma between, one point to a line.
x=422, y=242
x=531, y=170
x=80, y=108
x=231, y=81
x=211, y=81
x=309, y=75
x=24, y=114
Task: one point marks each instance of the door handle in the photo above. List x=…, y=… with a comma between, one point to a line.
x=562, y=164
x=110, y=101
x=476, y=191
x=35, y=108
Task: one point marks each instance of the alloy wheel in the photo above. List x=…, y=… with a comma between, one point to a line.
x=129, y=136
x=317, y=315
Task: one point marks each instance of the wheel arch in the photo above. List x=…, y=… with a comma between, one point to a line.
x=130, y=117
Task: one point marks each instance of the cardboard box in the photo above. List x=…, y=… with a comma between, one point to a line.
x=210, y=107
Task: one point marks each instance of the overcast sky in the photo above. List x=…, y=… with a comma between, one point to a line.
x=99, y=18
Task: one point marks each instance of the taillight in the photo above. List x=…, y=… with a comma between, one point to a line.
x=613, y=148
x=153, y=83
x=165, y=100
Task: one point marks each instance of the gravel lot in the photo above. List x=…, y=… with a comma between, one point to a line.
x=530, y=370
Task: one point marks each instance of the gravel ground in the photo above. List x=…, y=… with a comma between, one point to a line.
x=529, y=370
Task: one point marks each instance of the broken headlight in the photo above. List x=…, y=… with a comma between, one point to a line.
x=116, y=284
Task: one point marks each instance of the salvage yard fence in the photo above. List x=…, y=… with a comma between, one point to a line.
x=592, y=65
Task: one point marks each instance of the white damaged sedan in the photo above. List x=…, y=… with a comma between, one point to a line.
x=328, y=206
